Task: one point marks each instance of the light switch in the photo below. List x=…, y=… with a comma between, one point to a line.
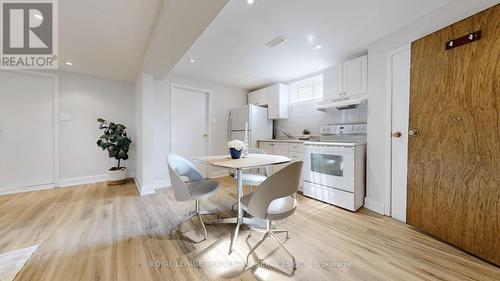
x=65, y=117
x=165, y=116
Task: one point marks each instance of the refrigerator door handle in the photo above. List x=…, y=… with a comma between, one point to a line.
x=229, y=125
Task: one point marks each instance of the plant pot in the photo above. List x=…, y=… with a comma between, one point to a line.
x=235, y=154
x=117, y=176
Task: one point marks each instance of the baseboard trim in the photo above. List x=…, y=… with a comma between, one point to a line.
x=374, y=206
x=144, y=189
x=162, y=183
x=13, y=190
x=81, y=180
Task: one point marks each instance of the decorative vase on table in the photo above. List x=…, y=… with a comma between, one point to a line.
x=235, y=148
x=235, y=154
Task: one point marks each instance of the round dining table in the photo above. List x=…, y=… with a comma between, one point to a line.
x=251, y=161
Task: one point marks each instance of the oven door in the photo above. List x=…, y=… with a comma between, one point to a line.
x=331, y=166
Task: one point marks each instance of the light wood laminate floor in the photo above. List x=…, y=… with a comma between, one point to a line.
x=96, y=232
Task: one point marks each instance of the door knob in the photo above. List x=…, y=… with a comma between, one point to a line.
x=413, y=132
x=205, y=135
x=397, y=134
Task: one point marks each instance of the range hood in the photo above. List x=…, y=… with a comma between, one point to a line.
x=341, y=104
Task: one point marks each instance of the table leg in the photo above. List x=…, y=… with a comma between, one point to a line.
x=239, y=219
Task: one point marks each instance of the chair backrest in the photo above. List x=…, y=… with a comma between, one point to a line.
x=283, y=183
x=179, y=167
x=254, y=150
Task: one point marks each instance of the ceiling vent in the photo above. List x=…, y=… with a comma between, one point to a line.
x=276, y=41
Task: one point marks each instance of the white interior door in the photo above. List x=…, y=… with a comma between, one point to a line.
x=26, y=130
x=190, y=123
x=400, y=90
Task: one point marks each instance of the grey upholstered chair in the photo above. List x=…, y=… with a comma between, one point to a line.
x=254, y=179
x=196, y=189
x=274, y=200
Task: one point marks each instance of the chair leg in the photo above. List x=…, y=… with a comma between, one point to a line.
x=197, y=212
x=281, y=231
x=204, y=228
x=256, y=246
x=181, y=222
x=206, y=213
x=284, y=248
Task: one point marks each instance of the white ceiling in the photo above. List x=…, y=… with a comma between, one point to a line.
x=179, y=24
x=233, y=46
x=108, y=38
x=116, y=39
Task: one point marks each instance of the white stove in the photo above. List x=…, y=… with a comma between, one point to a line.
x=334, y=166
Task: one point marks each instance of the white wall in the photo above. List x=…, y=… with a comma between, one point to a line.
x=143, y=120
x=378, y=165
x=306, y=116
x=223, y=98
x=87, y=98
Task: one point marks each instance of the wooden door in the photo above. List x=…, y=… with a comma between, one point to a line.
x=454, y=160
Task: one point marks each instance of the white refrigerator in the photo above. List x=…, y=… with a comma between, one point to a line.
x=259, y=126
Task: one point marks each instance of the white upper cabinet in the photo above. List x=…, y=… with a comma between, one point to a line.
x=346, y=80
x=258, y=97
x=277, y=96
x=331, y=85
x=354, y=77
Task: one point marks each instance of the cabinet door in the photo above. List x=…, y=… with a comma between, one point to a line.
x=298, y=156
x=279, y=148
x=354, y=76
x=283, y=101
x=258, y=97
x=277, y=96
x=273, y=102
x=253, y=98
x=332, y=87
x=266, y=146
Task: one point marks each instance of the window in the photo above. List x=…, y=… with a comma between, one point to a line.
x=308, y=89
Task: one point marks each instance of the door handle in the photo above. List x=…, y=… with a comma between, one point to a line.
x=397, y=134
x=413, y=132
x=205, y=135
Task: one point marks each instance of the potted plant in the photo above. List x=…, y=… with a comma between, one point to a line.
x=306, y=134
x=117, y=143
x=235, y=148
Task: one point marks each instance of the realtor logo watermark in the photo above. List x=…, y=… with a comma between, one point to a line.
x=29, y=34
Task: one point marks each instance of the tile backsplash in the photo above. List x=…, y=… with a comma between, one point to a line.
x=306, y=116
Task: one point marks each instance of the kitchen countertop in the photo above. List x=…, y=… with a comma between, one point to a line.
x=283, y=140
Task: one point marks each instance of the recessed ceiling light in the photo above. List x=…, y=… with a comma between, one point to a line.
x=250, y=2
x=248, y=77
x=69, y=63
x=191, y=60
x=317, y=46
x=38, y=16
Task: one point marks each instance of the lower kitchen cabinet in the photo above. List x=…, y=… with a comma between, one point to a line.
x=292, y=150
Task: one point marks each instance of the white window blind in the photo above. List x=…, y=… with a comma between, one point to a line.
x=308, y=89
